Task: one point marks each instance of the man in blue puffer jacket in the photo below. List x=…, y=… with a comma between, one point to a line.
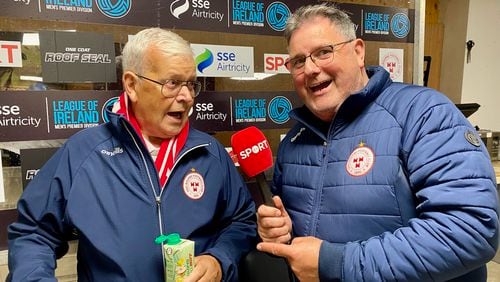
x=145, y=173
x=378, y=181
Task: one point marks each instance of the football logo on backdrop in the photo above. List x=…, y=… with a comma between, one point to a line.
x=109, y=102
x=278, y=109
x=204, y=60
x=179, y=7
x=400, y=25
x=277, y=14
x=117, y=10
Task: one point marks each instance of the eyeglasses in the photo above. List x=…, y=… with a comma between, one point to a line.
x=321, y=56
x=171, y=87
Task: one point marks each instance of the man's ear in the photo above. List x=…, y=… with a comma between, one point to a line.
x=359, y=48
x=130, y=84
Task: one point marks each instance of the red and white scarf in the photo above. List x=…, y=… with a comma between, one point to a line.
x=169, y=148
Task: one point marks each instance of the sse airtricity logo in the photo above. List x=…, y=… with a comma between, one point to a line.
x=204, y=60
x=179, y=7
x=400, y=25
x=276, y=15
x=117, y=10
x=278, y=109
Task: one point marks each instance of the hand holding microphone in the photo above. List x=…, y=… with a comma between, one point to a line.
x=274, y=224
x=254, y=156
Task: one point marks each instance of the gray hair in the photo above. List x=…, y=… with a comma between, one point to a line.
x=166, y=41
x=339, y=18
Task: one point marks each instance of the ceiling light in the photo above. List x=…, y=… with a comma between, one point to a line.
x=256, y=76
x=30, y=77
x=31, y=39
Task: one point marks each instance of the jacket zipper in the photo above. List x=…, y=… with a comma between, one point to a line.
x=158, y=197
x=319, y=192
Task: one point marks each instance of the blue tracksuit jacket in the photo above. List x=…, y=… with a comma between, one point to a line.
x=398, y=186
x=102, y=185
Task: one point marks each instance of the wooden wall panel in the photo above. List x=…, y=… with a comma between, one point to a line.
x=433, y=46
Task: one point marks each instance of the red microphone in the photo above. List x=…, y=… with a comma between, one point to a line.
x=254, y=156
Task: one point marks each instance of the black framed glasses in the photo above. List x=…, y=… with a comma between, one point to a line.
x=171, y=87
x=321, y=57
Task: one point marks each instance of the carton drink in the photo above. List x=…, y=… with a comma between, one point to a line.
x=179, y=258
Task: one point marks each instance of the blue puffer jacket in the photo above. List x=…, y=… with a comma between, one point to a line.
x=102, y=185
x=398, y=186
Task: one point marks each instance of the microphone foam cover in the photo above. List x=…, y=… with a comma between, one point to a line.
x=253, y=151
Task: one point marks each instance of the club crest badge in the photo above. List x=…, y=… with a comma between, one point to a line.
x=360, y=161
x=193, y=185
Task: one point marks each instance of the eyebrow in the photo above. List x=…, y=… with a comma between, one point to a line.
x=315, y=49
x=178, y=76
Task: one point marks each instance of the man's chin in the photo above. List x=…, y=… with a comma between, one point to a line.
x=173, y=129
x=322, y=111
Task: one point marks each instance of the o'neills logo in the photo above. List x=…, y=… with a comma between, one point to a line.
x=116, y=150
x=360, y=161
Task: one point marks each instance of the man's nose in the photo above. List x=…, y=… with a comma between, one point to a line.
x=310, y=66
x=185, y=93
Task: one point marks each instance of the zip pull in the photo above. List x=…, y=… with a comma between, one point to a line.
x=160, y=224
x=325, y=148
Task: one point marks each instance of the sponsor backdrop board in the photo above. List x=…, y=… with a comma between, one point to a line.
x=267, y=17
x=10, y=54
x=2, y=188
x=77, y=57
x=375, y=23
x=275, y=63
x=231, y=111
x=223, y=60
x=120, y=12
x=46, y=115
x=32, y=160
